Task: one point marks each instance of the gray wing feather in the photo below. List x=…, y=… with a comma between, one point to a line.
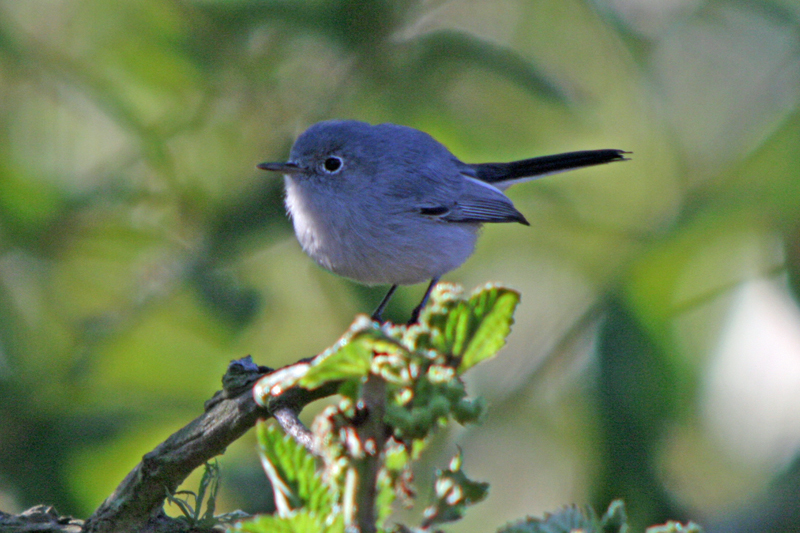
x=478, y=202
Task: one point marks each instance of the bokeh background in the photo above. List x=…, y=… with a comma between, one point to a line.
x=656, y=351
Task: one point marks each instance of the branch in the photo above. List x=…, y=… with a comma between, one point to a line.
x=287, y=418
x=373, y=437
x=137, y=503
x=39, y=519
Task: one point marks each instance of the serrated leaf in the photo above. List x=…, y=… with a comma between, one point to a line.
x=299, y=522
x=494, y=311
x=567, y=520
x=351, y=357
x=296, y=469
x=351, y=360
x=471, y=330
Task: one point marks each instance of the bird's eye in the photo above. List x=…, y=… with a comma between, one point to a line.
x=332, y=164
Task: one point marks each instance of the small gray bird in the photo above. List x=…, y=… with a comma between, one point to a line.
x=389, y=204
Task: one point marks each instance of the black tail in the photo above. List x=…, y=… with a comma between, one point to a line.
x=549, y=164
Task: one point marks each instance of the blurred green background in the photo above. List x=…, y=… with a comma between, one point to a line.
x=656, y=351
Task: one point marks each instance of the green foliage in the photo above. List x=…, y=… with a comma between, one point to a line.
x=454, y=493
x=298, y=522
x=565, y=521
x=453, y=335
x=193, y=515
x=417, y=370
x=292, y=472
x=349, y=358
x=468, y=330
x=572, y=519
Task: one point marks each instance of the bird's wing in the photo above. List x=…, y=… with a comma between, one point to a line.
x=478, y=202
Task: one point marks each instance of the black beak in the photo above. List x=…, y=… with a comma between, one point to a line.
x=286, y=168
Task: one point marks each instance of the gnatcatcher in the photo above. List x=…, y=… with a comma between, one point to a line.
x=389, y=204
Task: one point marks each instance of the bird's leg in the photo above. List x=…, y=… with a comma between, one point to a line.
x=418, y=309
x=376, y=316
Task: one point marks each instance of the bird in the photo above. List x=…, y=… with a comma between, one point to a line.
x=389, y=204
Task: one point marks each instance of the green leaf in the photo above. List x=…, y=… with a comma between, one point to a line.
x=573, y=518
x=186, y=508
x=494, y=308
x=350, y=358
x=298, y=483
x=209, y=483
x=300, y=522
x=385, y=497
x=470, y=330
x=454, y=493
x=567, y=520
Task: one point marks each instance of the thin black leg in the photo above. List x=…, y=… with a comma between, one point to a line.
x=377, y=315
x=418, y=309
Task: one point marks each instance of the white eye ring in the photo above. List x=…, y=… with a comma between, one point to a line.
x=332, y=164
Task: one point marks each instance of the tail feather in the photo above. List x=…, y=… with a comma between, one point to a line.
x=498, y=173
